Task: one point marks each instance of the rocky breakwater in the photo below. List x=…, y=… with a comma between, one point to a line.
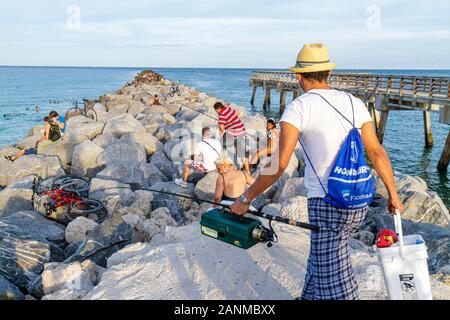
x=150, y=246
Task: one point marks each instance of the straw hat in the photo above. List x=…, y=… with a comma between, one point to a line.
x=312, y=58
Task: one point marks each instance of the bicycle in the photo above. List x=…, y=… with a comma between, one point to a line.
x=70, y=192
x=87, y=110
x=175, y=89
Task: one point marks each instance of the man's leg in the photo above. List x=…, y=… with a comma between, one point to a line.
x=18, y=155
x=187, y=170
x=330, y=270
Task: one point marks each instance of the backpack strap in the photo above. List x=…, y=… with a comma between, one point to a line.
x=352, y=123
x=211, y=147
x=351, y=101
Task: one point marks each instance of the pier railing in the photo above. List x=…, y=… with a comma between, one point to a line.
x=381, y=93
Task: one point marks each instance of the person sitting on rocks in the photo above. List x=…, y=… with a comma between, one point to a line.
x=206, y=153
x=231, y=183
x=30, y=151
x=156, y=101
x=52, y=132
x=273, y=137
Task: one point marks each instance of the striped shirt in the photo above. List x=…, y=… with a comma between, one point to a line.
x=230, y=119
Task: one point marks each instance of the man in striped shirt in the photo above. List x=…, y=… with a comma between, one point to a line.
x=232, y=128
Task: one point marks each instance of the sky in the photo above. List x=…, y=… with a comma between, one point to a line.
x=360, y=34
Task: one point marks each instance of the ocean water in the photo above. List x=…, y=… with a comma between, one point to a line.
x=27, y=87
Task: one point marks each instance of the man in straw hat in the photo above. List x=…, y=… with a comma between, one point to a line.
x=322, y=131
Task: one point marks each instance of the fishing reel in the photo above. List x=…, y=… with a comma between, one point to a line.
x=265, y=235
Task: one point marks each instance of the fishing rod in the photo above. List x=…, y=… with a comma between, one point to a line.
x=257, y=213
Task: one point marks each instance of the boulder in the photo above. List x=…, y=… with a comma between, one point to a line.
x=9, y=291
x=23, y=255
x=33, y=223
x=105, y=140
x=125, y=153
x=172, y=109
x=176, y=205
x=107, y=238
x=104, y=189
x=122, y=124
x=81, y=276
x=36, y=130
x=291, y=188
x=65, y=295
x=146, y=229
x=155, y=175
x=89, y=129
x=295, y=208
x=17, y=196
x=79, y=229
x=102, y=114
x=421, y=205
x=143, y=201
x=84, y=159
x=63, y=150
x=39, y=165
x=148, y=141
x=209, y=102
x=136, y=107
x=132, y=174
x=28, y=142
x=206, y=187
x=160, y=161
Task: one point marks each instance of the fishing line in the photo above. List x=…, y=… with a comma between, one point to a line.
x=260, y=214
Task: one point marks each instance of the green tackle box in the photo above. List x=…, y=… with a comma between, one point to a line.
x=228, y=228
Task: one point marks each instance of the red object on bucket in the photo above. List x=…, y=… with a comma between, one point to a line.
x=386, y=238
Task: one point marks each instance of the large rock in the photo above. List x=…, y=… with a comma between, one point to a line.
x=79, y=229
x=29, y=142
x=206, y=187
x=17, y=196
x=198, y=267
x=143, y=201
x=104, y=189
x=155, y=175
x=291, y=188
x=122, y=124
x=295, y=208
x=33, y=223
x=176, y=205
x=132, y=174
x=160, y=161
x=127, y=153
x=8, y=291
x=40, y=165
x=74, y=276
x=146, y=229
x=109, y=237
x=84, y=159
x=23, y=254
x=136, y=107
x=148, y=141
x=105, y=140
x=89, y=130
x=421, y=204
x=64, y=149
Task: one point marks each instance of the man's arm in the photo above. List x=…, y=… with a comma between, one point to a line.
x=221, y=129
x=380, y=160
x=272, y=171
x=219, y=189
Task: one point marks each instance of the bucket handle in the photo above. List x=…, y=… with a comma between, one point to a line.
x=399, y=230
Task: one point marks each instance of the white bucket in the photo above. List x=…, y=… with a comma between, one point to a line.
x=405, y=266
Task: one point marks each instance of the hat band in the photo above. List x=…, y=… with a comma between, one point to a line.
x=304, y=64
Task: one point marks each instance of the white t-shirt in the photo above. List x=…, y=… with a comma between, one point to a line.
x=209, y=156
x=323, y=130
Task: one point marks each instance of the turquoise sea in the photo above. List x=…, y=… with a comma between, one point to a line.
x=27, y=87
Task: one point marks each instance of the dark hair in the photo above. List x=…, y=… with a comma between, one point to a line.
x=47, y=119
x=156, y=96
x=218, y=106
x=272, y=121
x=53, y=114
x=319, y=76
x=204, y=130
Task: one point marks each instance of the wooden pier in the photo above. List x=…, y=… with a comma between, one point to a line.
x=381, y=93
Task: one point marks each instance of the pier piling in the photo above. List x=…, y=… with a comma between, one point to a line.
x=282, y=101
x=445, y=156
x=252, y=101
x=427, y=129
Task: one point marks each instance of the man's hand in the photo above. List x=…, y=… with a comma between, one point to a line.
x=394, y=203
x=238, y=208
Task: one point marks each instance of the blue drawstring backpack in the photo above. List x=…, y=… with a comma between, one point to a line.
x=350, y=184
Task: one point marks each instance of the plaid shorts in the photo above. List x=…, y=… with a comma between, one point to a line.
x=329, y=273
x=198, y=166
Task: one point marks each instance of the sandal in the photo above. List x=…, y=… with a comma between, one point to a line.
x=9, y=158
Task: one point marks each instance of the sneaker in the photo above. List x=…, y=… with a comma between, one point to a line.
x=181, y=183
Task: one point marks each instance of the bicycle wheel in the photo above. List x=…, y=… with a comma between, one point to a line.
x=91, y=114
x=88, y=208
x=73, y=112
x=72, y=183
